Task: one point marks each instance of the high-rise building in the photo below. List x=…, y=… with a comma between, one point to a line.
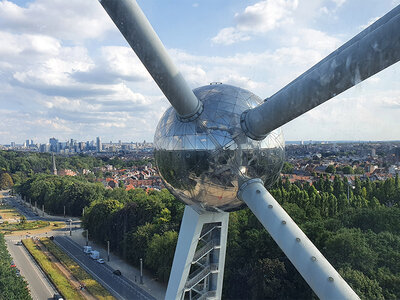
x=98, y=144
x=53, y=144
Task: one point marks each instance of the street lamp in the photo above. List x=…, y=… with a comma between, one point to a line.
x=70, y=227
x=141, y=271
x=108, y=250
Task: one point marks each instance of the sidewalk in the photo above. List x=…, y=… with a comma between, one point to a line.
x=153, y=287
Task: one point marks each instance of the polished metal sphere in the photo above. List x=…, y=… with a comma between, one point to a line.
x=204, y=162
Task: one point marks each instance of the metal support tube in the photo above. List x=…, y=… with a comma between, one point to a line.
x=134, y=26
x=312, y=265
x=368, y=53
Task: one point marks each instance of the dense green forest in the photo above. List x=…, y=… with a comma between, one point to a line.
x=12, y=286
x=356, y=228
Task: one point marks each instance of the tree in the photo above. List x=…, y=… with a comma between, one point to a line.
x=287, y=168
x=6, y=181
x=364, y=287
x=348, y=170
x=330, y=169
x=161, y=253
x=22, y=220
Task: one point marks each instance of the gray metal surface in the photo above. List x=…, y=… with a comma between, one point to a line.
x=138, y=32
x=204, y=161
x=368, y=53
x=324, y=280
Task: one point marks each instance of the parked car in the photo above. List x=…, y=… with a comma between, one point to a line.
x=101, y=261
x=57, y=297
x=117, y=272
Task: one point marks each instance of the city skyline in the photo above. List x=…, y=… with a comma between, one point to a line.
x=72, y=74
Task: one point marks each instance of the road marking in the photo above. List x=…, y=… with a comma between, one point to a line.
x=87, y=269
x=123, y=280
x=35, y=267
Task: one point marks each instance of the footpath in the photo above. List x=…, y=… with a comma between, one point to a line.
x=153, y=287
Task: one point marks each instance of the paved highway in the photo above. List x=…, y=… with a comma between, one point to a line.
x=119, y=286
x=38, y=283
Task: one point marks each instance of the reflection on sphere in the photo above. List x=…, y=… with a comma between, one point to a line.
x=203, y=162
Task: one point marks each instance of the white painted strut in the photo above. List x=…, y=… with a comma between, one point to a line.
x=324, y=280
x=185, y=255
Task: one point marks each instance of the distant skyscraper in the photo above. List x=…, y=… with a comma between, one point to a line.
x=53, y=144
x=98, y=144
x=27, y=143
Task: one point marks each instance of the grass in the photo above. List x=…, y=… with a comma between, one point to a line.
x=62, y=284
x=8, y=212
x=24, y=226
x=96, y=289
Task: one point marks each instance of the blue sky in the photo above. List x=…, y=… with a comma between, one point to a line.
x=66, y=71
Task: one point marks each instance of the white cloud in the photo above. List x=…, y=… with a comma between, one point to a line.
x=230, y=35
x=259, y=18
x=339, y=3
x=70, y=20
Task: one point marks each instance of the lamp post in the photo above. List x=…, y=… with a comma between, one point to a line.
x=141, y=271
x=108, y=250
x=70, y=227
x=87, y=237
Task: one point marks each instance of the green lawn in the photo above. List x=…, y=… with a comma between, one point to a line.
x=24, y=226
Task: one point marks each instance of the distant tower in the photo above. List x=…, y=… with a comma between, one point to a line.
x=54, y=165
x=98, y=144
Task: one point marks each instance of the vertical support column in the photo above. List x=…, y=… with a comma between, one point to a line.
x=325, y=281
x=189, y=234
x=222, y=253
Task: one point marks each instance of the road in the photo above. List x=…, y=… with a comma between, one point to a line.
x=119, y=286
x=38, y=283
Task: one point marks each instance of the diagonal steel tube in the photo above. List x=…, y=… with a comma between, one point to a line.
x=374, y=49
x=323, y=279
x=134, y=26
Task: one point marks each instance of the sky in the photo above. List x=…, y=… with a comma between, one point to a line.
x=67, y=72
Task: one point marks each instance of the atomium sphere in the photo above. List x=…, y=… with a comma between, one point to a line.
x=204, y=162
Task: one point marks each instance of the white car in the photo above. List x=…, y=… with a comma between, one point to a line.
x=101, y=261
